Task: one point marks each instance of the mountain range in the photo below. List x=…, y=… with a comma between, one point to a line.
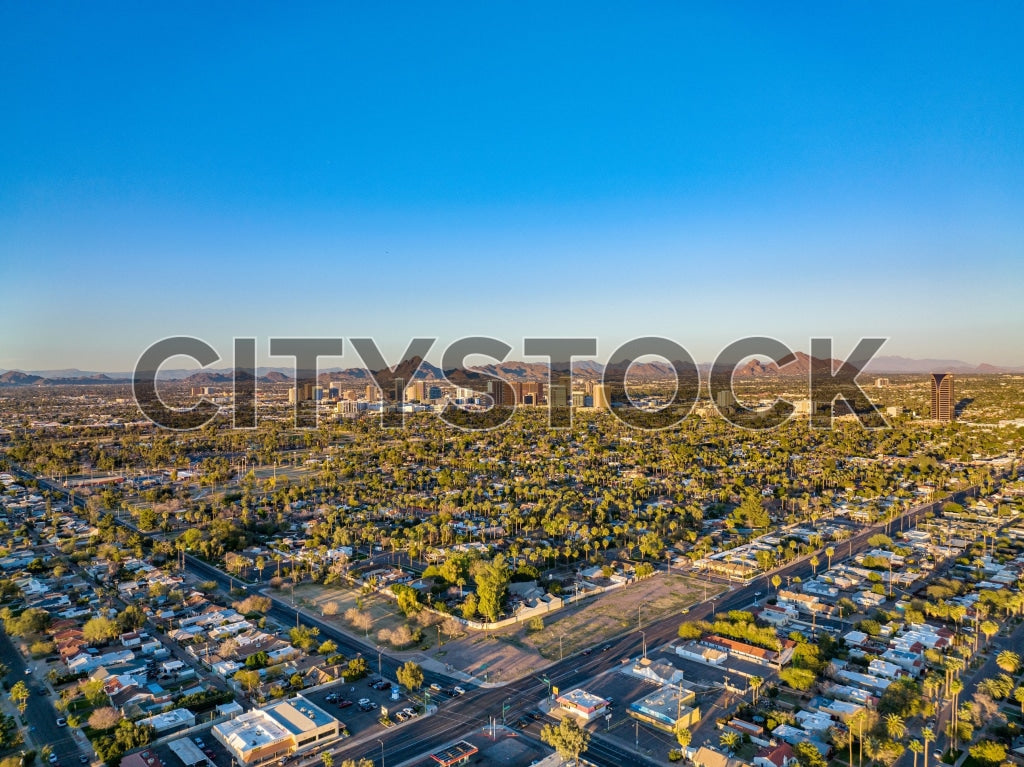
x=511, y=370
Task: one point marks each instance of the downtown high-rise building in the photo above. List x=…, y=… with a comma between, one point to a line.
x=943, y=401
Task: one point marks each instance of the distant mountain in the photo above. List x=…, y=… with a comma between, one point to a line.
x=17, y=378
x=511, y=370
x=896, y=365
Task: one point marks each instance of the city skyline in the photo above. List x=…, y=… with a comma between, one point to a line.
x=701, y=175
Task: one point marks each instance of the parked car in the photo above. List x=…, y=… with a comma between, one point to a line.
x=62, y=722
x=344, y=703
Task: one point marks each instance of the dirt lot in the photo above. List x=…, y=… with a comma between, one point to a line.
x=512, y=652
x=609, y=614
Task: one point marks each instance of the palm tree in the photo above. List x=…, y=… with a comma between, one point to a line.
x=729, y=741
x=814, y=564
x=683, y=735
x=955, y=688
x=1018, y=695
x=755, y=683
x=830, y=552
x=874, y=747
x=894, y=727
x=928, y=736
x=1008, y=661
x=776, y=582
x=915, y=748
x=19, y=695
x=858, y=720
x=989, y=629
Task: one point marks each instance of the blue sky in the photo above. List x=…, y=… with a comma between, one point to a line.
x=513, y=170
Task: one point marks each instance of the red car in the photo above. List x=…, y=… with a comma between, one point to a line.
x=344, y=703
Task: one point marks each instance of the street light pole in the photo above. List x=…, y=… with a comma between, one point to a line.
x=643, y=634
x=381, y=751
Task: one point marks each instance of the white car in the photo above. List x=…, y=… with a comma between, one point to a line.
x=458, y=690
x=62, y=722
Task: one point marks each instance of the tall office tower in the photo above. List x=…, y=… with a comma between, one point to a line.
x=371, y=392
x=557, y=396
x=725, y=398
x=497, y=392
x=417, y=390
x=942, y=397
x=528, y=392
x=601, y=397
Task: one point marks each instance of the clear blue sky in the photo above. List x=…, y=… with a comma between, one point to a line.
x=520, y=169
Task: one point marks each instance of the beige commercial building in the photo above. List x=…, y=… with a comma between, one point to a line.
x=278, y=729
x=601, y=397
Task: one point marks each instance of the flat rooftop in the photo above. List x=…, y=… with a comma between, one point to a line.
x=454, y=754
x=666, y=705
x=187, y=751
x=251, y=730
x=582, y=698
x=298, y=715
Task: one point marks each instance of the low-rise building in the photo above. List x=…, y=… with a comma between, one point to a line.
x=283, y=727
x=583, y=704
x=665, y=708
x=175, y=719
